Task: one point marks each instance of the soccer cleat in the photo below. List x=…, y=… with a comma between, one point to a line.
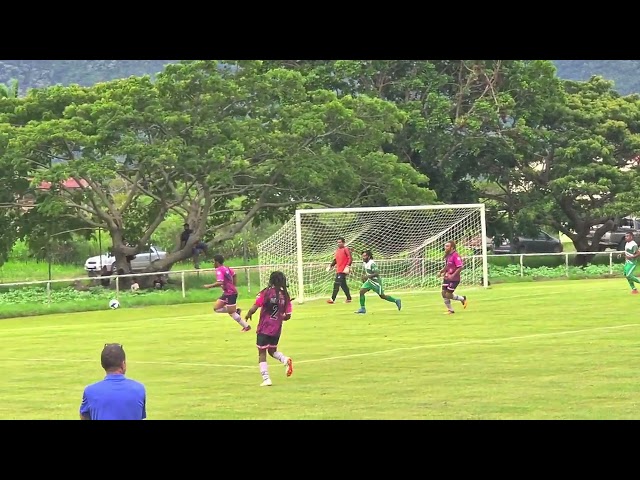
x=361, y=310
x=465, y=301
x=330, y=301
x=399, y=304
x=449, y=312
x=266, y=383
x=348, y=300
x=289, y=367
x=247, y=328
x=634, y=291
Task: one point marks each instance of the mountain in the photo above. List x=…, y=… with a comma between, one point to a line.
x=42, y=73
x=624, y=73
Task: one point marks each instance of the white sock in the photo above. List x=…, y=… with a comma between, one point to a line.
x=221, y=310
x=239, y=319
x=447, y=303
x=280, y=357
x=458, y=297
x=264, y=370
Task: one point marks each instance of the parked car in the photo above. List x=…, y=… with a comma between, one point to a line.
x=615, y=238
x=139, y=263
x=541, y=243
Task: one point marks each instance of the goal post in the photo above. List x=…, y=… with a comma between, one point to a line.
x=406, y=241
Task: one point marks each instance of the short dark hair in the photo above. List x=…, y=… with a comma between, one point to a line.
x=112, y=356
x=342, y=239
x=368, y=253
x=218, y=258
x=630, y=232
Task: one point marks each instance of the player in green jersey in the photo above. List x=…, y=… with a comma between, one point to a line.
x=631, y=254
x=372, y=281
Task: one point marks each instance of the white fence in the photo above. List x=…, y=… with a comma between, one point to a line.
x=520, y=256
x=252, y=271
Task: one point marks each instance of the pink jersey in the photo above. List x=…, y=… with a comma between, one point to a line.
x=225, y=275
x=454, y=261
x=273, y=308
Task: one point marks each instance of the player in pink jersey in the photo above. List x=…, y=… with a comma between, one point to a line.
x=226, y=279
x=275, y=307
x=451, y=271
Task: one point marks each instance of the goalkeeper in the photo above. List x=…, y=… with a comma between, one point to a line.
x=342, y=261
x=372, y=281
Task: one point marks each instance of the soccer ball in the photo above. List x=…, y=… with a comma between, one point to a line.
x=113, y=304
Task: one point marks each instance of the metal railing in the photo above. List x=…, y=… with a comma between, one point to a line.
x=253, y=271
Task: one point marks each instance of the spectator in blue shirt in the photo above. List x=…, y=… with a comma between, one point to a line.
x=116, y=397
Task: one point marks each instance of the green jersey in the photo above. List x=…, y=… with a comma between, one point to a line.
x=371, y=268
x=630, y=249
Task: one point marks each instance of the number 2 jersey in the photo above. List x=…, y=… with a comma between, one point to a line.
x=273, y=308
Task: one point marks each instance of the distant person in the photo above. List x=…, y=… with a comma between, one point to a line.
x=226, y=303
x=184, y=236
x=631, y=254
x=372, y=280
x=158, y=282
x=451, y=277
x=135, y=286
x=115, y=397
x=105, y=281
x=342, y=261
x=198, y=249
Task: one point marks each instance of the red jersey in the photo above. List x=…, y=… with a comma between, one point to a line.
x=343, y=258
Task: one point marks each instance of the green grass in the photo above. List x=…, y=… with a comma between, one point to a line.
x=520, y=351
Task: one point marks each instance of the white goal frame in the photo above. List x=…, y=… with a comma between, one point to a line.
x=299, y=263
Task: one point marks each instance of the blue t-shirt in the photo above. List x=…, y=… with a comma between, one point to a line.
x=114, y=398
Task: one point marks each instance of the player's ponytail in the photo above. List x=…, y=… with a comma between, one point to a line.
x=279, y=282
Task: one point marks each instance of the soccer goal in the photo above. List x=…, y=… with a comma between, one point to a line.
x=407, y=243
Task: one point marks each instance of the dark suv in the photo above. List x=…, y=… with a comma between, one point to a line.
x=541, y=243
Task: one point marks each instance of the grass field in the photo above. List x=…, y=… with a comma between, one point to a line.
x=553, y=350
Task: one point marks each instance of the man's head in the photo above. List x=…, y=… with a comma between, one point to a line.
x=186, y=226
x=629, y=236
x=341, y=242
x=113, y=359
x=367, y=255
x=449, y=247
x=218, y=260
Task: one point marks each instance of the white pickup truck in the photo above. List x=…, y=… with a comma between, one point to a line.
x=142, y=260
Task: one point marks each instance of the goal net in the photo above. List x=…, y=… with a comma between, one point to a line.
x=407, y=244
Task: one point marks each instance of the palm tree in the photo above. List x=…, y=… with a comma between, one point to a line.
x=10, y=90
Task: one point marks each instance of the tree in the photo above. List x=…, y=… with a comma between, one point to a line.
x=9, y=91
x=201, y=136
x=454, y=109
x=576, y=167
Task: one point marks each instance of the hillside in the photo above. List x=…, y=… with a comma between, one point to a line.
x=625, y=73
x=40, y=73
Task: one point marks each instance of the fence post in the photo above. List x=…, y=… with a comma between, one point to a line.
x=248, y=274
x=610, y=263
x=521, y=265
x=117, y=286
x=49, y=293
x=566, y=263
x=184, y=293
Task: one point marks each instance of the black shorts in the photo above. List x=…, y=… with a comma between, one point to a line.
x=450, y=285
x=267, y=341
x=229, y=299
x=340, y=277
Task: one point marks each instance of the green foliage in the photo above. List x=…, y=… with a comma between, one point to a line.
x=512, y=272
